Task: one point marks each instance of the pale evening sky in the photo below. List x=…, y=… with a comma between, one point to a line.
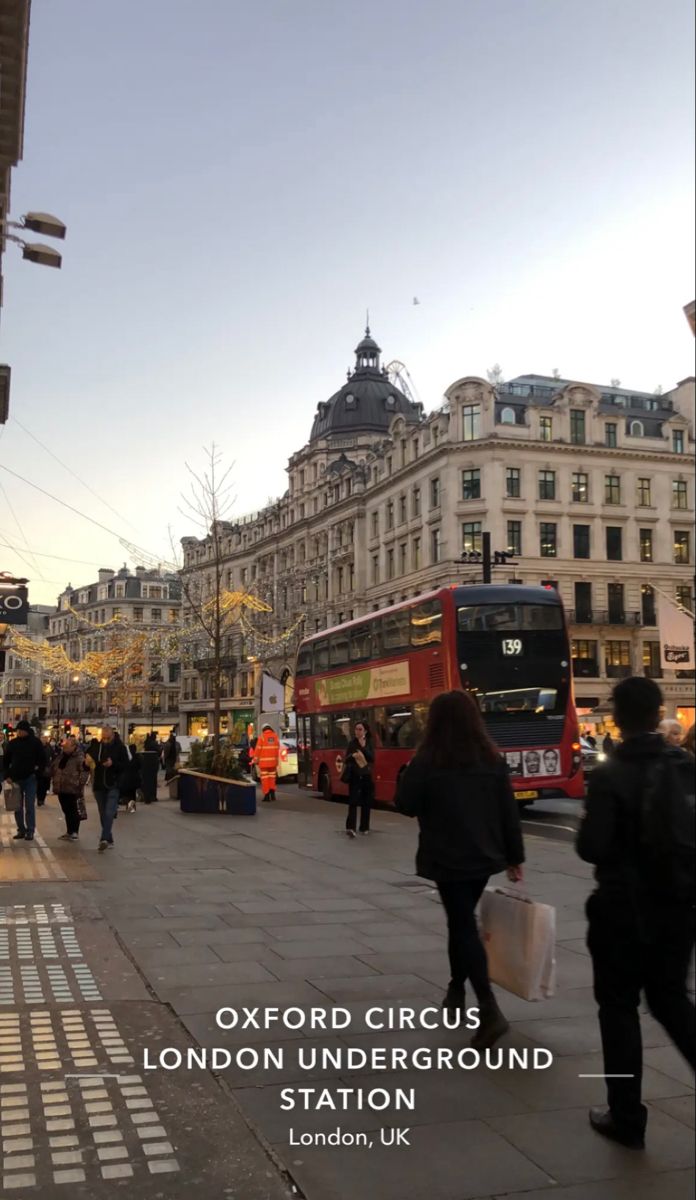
x=241, y=180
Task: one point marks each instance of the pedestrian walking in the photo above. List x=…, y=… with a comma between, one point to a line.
x=459, y=788
x=110, y=759
x=608, y=744
x=671, y=731
x=638, y=830
x=24, y=758
x=357, y=773
x=149, y=767
x=69, y=774
x=170, y=755
x=266, y=757
x=131, y=781
x=43, y=777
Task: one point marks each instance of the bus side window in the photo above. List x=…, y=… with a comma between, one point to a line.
x=426, y=623
x=396, y=630
x=377, y=721
x=361, y=642
x=341, y=730
x=401, y=728
x=376, y=638
x=304, y=660
x=320, y=732
x=338, y=649
x=321, y=655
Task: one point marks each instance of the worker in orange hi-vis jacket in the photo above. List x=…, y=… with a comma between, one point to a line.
x=266, y=756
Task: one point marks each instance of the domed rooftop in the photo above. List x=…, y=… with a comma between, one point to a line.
x=367, y=402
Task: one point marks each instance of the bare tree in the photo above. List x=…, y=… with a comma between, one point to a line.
x=211, y=606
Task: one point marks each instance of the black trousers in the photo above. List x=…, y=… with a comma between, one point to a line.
x=360, y=797
x=467, y=954
x=42, y=782
x=68, y=804
x=630, y=954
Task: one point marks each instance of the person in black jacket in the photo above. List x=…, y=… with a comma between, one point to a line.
x=459, y=788
x=24, y=758
x=359, y=761
x=640, y=936
x=130, y=781
x=110, y=759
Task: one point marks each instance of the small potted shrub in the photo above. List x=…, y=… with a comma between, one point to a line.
x=216, y=783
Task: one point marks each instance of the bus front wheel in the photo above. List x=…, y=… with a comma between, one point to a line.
x=325, y=784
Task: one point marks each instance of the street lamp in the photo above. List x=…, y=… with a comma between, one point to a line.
x=38, y=252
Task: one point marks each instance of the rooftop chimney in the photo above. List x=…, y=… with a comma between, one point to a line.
x=105, y=575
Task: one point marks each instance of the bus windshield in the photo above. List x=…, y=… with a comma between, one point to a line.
x=514, y=657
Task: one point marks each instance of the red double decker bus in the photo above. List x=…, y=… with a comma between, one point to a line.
x=508, y=645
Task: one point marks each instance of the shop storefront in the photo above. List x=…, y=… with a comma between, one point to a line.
x=233, y=723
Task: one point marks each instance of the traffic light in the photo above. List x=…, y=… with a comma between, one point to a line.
x=471, y=556
x=501, y=557
x=7, y=729
x=67, y=728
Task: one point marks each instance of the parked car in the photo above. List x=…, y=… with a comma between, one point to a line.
x=287, y=763
x=287, y=766
x=591, y=755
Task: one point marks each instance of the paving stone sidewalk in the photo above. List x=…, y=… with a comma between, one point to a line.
x=191, y=914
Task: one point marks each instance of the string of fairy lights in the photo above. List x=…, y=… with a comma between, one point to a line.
x=130, y=647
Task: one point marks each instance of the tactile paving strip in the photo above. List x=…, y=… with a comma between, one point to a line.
x=30, y=966
x=67, y=1113
x=80, y=1128
x=21, y=861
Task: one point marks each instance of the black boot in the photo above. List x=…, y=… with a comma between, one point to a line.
x=454, y=1002
x=493, y=1025
x=603, y=1122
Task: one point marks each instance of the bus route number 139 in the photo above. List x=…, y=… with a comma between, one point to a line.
x=512, y=646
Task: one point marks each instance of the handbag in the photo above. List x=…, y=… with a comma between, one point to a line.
x=13, y=796
x=520, y=939
x=81, y=808
x=347, y=772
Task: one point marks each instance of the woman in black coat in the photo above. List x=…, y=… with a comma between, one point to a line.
x=458, y=787
x=360, y=758
x=131, y=781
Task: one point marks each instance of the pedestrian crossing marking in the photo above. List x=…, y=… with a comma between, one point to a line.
x=26, y=862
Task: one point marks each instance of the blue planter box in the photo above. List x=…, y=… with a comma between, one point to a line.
x=199, y=793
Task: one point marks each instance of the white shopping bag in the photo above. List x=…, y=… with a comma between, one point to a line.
x=520, y=940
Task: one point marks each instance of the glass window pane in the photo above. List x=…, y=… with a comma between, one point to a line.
x=396, y=630
x=426, y=623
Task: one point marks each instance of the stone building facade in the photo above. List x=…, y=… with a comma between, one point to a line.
x=23, y=685
x=591, y=487
x=84, y=622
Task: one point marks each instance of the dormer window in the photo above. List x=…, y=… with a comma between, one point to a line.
x=636, y=429
x=508, y=417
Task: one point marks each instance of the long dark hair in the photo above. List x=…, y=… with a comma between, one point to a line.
x=455, y=735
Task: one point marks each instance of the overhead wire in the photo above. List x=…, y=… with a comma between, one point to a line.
x=21, y=530
x=73, y=472
x=64, y=504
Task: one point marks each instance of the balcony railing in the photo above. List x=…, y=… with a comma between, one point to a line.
x=227, y=661
x=595, y=616
x=618, y=672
